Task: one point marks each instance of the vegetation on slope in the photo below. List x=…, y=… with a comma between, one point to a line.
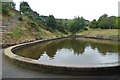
x=24, y=27
x=27, y=25
x=101, y=33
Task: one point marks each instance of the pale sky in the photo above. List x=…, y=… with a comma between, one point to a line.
x=89, y=9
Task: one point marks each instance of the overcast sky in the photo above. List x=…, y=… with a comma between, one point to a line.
x=89, y=9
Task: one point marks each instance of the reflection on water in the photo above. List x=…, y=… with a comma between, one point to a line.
x=73, y=51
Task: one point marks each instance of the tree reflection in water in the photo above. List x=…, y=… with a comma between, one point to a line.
x=77, y=45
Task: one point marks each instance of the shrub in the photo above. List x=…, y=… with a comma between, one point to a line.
x=86, y=28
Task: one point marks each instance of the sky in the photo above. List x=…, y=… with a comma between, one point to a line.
x=89, y=9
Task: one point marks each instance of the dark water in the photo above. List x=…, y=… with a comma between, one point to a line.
x=73, y=51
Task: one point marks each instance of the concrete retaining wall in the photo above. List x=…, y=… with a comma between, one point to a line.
x=60, y=69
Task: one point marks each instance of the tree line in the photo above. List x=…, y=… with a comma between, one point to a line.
x=106, y=22
x=62, y=25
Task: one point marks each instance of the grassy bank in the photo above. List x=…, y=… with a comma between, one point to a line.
x=22, y=34
x=19, y=31
x=101, y=33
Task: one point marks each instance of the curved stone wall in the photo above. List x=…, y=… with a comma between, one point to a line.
x=62, y=69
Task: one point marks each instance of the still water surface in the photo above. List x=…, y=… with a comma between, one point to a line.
x=71, y=51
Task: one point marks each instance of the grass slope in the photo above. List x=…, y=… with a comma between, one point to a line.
x=21, y=31
x=103, y=33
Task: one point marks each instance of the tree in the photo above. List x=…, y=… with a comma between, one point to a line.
x=105, y=22
x=117, y=23
x=12, y=4
x=33, y=16
x=51, y=21
x=111, y=21
x=68, y=24
x=7, y=7
x=24, y=7
x=102, y=17
x=60, y=25
x=77, y=24
x=94, y=24
x=101, y=20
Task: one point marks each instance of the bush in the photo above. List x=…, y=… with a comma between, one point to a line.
x=86, y=27
x=7, y=7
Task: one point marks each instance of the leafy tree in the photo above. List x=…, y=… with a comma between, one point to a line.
x=12, y=4
x=111, y=20
x=68, y=24
x=94, y=24
x=102, y=17
x=101, y=20
x=24, y=7
x=51, y=21
x=105, y=22
x=34, y=18
x=77, y=24
x=7, y=7
x=60, y=25
x=117, y=23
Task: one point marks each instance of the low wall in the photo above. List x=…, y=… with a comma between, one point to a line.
x=59, y=69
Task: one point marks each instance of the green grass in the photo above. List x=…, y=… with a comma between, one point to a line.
x=23, y=32
x=47, y=34
x=104, y=33
x=19, y=34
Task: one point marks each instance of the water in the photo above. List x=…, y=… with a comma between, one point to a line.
x=13, y=71
x=71, y=51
